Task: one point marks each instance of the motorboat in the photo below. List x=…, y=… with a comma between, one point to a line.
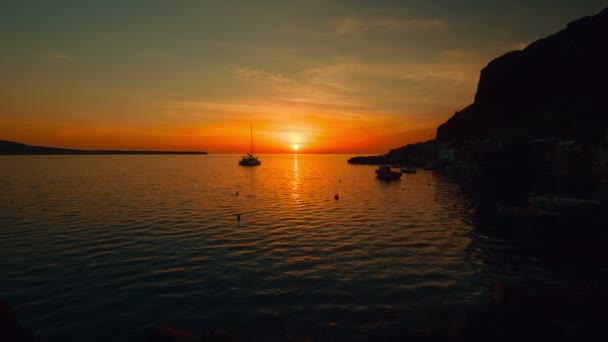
x=386, y=173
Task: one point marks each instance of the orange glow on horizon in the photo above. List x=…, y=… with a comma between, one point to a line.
x=312, y=136
x=299, y=131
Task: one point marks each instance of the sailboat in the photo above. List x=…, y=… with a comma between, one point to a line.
x=250, y=159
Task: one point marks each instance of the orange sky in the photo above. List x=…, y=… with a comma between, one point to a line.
x=328, y=76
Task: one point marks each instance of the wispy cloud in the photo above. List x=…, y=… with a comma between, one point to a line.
x=348, y=88
x=59, y=56
x=263, y=75
x=359, y=25
x=410, y=24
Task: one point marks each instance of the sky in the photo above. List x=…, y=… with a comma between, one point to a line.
x=332, y=76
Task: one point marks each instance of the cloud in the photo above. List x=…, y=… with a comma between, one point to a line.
x=345, y=86
x=263, y=75
x=398, y=79
x=303, y=92
x=59, y=56
x=409, y=24
x=359, y=25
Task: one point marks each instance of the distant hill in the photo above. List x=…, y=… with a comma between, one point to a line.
x=10, y=147
x=417, y=154
x=557, y=87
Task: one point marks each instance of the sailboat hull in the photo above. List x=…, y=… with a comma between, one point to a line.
x=249, y=161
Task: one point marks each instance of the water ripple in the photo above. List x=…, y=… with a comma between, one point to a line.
x=127, y=243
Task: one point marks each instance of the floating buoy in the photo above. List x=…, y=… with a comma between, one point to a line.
x=339, y=180
x=402, y=189
x=238, y=217
x=336, y=197
x=237, y=193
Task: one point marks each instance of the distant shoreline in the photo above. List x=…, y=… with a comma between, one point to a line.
x=14, y=148
x=101, y=152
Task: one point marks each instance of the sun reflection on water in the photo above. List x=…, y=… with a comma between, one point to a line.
x=295, y=187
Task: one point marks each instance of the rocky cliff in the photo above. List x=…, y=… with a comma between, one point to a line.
x=557, y=87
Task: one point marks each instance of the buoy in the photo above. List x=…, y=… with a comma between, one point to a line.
x=336, y=197
x=237, y=193
x=238, y=217
x=339, y=180
x=402, y=189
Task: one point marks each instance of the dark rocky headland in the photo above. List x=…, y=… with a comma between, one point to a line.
x=553, y=89
x=10, y=147
x=539, y=122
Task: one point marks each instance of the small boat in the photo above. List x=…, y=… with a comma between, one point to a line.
x=250, y=159
x=408, y=170
x=384, y=172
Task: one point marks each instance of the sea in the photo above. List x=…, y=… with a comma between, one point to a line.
x=302, y=247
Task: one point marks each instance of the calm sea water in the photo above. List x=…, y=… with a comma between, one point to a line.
x=104, y=248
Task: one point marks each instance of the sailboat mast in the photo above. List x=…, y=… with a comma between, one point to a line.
x=251, y=136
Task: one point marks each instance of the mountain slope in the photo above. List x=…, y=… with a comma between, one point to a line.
x=555, y=87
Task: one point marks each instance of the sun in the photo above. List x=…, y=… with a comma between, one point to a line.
x=296, y=147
